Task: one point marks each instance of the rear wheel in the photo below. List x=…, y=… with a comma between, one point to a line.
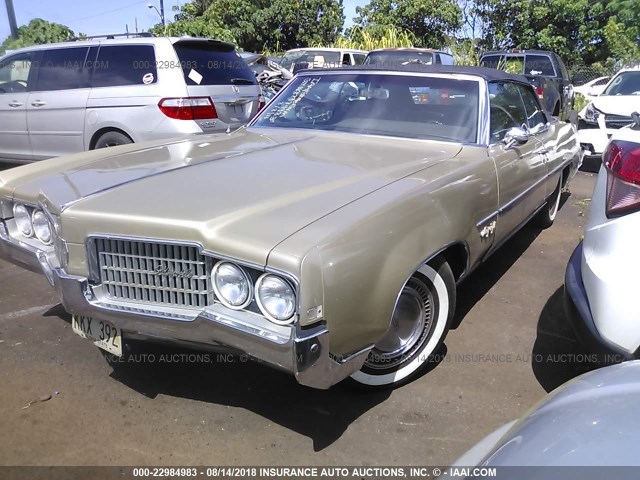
x=420, y=323
x=112, y=139
x=546, y=216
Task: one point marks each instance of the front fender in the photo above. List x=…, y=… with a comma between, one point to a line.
x=363, y=253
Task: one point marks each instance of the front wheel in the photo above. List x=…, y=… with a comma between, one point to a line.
x=420, y=322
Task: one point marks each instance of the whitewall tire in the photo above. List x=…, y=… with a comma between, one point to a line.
x=421, y=320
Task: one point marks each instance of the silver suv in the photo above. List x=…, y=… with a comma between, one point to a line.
x=64, y=98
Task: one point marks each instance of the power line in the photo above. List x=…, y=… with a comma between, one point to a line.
x=104, y=13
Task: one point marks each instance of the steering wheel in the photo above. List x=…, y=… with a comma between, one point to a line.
x=506, y=112
x=498, y=133
x=8, y=86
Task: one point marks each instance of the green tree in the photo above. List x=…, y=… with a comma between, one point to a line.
x=432, y=22
x=622, y=31
x=191, y=20
x=261, y=24
x=37, y=32
x=622, y=41
x=572, y=28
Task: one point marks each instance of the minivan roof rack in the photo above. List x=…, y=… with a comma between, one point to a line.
x=112, y=36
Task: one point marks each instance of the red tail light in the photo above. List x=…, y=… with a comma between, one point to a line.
x=622, y=160
x=261, y=103
x=540, y=93
x=188, y=108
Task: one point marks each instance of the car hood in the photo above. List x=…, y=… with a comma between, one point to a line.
x=617, y=104
x=589, y=421
x=238, y=195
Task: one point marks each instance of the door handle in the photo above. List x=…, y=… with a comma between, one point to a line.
x=38, y=103
x=15, y=104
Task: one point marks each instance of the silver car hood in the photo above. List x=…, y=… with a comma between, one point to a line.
x=592, y=420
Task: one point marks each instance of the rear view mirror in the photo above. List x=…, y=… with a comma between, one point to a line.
x=378, y=93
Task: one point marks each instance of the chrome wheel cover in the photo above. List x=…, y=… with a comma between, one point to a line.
x=411, y=326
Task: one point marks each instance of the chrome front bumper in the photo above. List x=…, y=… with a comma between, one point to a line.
x=303, y=352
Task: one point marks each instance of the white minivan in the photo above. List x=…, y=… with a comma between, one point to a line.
x=70, y=97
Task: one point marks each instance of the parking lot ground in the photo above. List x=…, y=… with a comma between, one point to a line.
x=169, y=406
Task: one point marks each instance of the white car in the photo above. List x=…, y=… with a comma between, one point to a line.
x=601, y=280
x=323, y=57
x=593, y=88
x=609, y=112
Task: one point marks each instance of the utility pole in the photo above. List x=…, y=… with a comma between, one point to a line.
x=11, y=13
x=164, y=24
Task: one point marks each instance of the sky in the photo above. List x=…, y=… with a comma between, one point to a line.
x=97, y=17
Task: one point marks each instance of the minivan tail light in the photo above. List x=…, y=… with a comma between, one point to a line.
x=188, y=108
x=622, y=161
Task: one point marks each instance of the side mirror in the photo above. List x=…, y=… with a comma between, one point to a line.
x=515, y=136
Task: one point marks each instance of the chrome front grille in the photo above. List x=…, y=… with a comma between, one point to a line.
x=617, y=121
x=154, y=273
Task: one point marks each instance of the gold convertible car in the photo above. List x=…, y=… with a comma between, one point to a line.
x=325, y=239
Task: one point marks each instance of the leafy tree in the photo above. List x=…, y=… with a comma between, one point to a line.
x=622, y=31
x=192, y=21
x=621, y=41
x=38, y=32
x=431, y=21
x=572, y=28
x=261, y=24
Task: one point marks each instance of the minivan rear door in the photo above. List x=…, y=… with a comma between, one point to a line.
x=214, y=69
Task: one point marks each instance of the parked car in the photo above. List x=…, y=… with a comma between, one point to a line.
x=307, y=58
x=398, y=57
x=326, y=239
x=593, y=88
x=600, y=276
x=70, y=97
x=546, y=72
x=590, y=421
x=609, y=112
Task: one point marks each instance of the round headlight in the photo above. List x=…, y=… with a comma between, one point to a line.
x=23, y=219
x=41, y=226
x=231, y=285
x=276, y=299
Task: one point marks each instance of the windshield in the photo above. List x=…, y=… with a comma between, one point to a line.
x=627, y=83
x=410, y=106
x=318, y=58
x=399, y=58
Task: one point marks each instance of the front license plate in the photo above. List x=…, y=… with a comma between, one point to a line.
x=104, y=334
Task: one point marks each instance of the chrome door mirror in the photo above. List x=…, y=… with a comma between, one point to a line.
x=515, y=136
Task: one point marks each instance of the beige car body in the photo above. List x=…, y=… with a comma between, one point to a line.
x=348, y=218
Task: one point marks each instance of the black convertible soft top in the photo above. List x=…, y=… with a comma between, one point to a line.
x=489, y=74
